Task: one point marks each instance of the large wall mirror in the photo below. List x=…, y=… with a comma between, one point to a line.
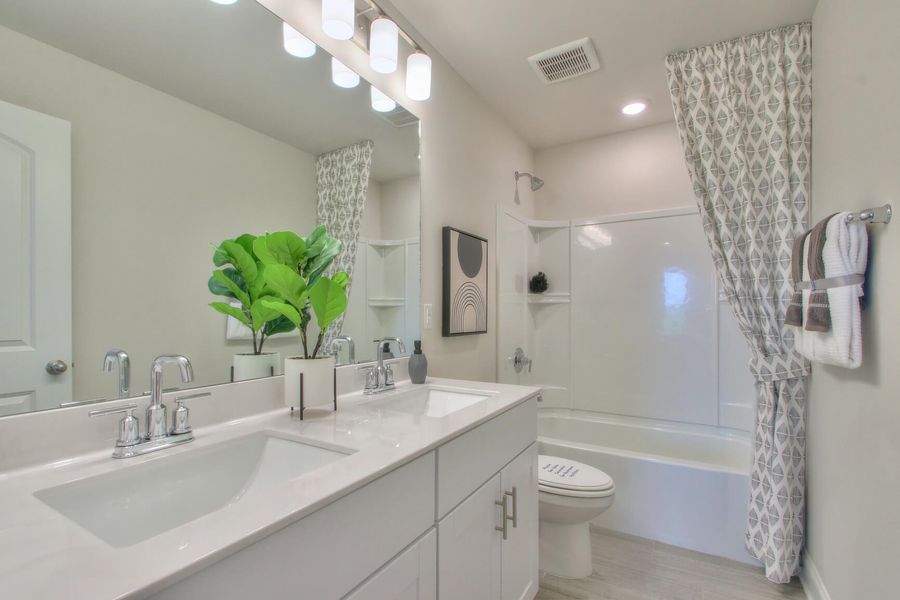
x=134, y=137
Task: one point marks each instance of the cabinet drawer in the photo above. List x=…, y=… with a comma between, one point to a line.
x=474, y=457
x=326, y=554
x=410, y=576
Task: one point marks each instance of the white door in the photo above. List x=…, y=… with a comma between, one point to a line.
x=35, y=260
x=469, y=563
x=512, y=286
x=519, y=480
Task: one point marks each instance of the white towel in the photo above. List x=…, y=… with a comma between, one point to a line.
x=845, y=253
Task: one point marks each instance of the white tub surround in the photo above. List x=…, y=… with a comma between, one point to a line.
x=680, y=484
x=313, y=532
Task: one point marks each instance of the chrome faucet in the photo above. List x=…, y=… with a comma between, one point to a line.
x=156, y=412
x=351, y=347
x=120, y=358
x=381, y=377
x=158, y=436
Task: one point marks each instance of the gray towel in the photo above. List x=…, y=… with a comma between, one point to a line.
x=794, y=314
x=818, y=314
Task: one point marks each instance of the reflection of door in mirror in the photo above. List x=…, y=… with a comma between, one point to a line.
x=35, y=307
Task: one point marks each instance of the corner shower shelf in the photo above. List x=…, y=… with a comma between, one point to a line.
x=549, y=298
x=386, y=302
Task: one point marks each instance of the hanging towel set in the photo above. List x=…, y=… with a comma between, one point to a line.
x=827, y=268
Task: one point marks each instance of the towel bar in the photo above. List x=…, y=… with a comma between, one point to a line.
x=879, y=214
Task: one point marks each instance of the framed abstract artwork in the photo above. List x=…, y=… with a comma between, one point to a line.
x=465, y=302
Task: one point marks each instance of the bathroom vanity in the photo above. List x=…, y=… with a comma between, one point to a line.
x=422, y=492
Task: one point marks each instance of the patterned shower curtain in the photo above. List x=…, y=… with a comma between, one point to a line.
x=342, y=183
x=743, y=110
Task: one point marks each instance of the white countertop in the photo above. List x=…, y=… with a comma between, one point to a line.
x=45, y=555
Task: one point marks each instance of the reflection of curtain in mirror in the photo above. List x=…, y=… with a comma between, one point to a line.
x=342, y=183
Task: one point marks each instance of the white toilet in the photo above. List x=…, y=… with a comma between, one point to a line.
x=571, y=494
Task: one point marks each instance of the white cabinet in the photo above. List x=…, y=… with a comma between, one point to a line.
x=410, y=576
x=519, y=480
x=469, y=547
x=477, y=558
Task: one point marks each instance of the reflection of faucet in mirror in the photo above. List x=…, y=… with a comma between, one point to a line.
x=351, y=349
x=120, y=358
x=156, y=412
x=384, y=375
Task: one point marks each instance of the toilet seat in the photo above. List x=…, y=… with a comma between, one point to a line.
x=564, y=477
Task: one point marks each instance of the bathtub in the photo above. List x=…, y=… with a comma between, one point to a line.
x=684, y=485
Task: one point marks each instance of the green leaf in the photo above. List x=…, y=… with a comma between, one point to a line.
x=261, y=314
x=285, y=282
x=281, y=247
x=242, y=260
x=231, y=311
x=319, y=263
x=246, y=242
x=328, y=301
x=220, y=289
x=220, y=257
x=227, y=282
x=286, y=310
x=341, y=278
x=280, y=325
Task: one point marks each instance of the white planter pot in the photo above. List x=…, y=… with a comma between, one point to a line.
x=254, y=366
x=318, y=382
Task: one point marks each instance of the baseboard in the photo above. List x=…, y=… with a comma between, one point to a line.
x=812, y=581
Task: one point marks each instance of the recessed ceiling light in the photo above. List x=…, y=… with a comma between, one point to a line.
x=634, y=108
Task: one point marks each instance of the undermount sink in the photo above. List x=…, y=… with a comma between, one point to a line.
x=133, y=504
x=430, y=402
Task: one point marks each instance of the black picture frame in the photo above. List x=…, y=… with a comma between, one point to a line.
x=449, y=327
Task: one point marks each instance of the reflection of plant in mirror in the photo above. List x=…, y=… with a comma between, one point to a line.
x=241, y=278
x=294, y=269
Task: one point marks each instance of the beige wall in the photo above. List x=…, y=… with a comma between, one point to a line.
x=400, y=200
x=638, y=170
x=853, y=433
x=469, y=155
x=155, y=182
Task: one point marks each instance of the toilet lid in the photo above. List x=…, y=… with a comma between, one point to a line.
x=565, y=474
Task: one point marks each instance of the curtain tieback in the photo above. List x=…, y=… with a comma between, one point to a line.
x=778, y=367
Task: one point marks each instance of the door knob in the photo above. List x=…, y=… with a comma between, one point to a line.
x=57, y=367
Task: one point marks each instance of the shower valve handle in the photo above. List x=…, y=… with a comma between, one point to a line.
x=520, y=361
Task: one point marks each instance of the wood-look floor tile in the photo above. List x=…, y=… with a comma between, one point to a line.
x=630, y=568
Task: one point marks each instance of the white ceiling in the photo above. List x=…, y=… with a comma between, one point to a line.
x=227, y=59
x=488, y=43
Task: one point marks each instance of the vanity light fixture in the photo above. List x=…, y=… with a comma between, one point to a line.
x=634, y=108
x=418, y=76
x=224, y=2
x=297, y=44
x=381, y=102
x=384, y=41
x=342, y=76
x=338, y=18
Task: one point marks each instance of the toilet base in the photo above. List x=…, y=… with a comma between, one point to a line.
x=565, y=549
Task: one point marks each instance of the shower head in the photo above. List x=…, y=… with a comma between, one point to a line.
x=536, y=182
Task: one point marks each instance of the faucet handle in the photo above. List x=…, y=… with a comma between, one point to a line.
x=181, y=416
x=388, y=376
x=129, y=427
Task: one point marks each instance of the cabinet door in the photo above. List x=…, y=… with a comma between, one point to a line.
x=519, y=481
x=469, y=566
x=410, y=576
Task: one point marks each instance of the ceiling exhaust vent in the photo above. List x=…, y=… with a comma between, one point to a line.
x=399, y=117
x=566, y=62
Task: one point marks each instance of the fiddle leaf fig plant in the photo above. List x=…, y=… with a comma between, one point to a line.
x=294, y=270
x=240, y=278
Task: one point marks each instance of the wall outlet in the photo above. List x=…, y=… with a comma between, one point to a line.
x=427, y=315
